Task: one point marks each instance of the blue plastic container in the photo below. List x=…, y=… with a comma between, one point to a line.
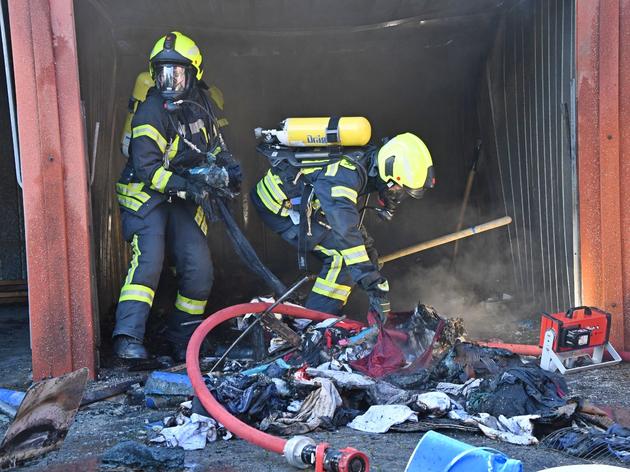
x=11, y=397
x=438, y=453
x=168, y=383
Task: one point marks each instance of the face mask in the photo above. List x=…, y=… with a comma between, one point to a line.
x=390, y=196
x=172, y=80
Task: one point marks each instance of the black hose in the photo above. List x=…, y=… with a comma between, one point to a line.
x=241, y=245
x=246, y=252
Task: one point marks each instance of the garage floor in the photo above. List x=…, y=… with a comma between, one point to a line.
x=105, y=424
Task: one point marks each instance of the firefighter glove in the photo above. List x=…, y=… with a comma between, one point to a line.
x=380, y=305
x=233, y=168
x=379, y=299
x=214, y=177
x=196, y=191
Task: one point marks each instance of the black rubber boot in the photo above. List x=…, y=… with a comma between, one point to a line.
x=127, y=347
x=178, y=351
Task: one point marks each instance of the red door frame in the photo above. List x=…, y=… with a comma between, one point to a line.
x=56, y=193
x=603, y=120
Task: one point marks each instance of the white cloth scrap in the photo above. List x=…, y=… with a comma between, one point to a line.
x=320, y=403
x=282, y=387
x=325, y=402
x=341, y=378
x=299, y=323
x=294, y=406
x=458, y=389
x=193, y=433
x=433, y=403
x=326, y=323
x=514, y=430
x=379, y=418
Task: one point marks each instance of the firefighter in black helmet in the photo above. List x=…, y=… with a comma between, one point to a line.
x=173, y=130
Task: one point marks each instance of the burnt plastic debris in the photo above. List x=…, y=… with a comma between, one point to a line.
x=165, y=390
x=417, y=361
x=252, y=396
x=43, y=418
x=386, y=357
x=168, y=383
x=136, y=456
x=345, y=415
x=420, y=380
x=467, y=360
x=311, y=350
x=519, y=391
x=590, y=443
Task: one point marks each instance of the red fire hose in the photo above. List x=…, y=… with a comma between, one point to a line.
x=532, y=350
x=300, y=451
x=520, y=349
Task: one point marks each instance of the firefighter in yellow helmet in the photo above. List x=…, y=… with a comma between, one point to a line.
x=173, y=130
x=402, y=167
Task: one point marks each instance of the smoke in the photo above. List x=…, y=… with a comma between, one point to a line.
x=451, y=295
x=478, y=287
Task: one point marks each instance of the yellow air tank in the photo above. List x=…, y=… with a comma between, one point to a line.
x=317, y=132
x=143, y=83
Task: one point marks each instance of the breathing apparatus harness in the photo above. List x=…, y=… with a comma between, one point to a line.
x=217, y=199
x=216, y=159
x=296, y=161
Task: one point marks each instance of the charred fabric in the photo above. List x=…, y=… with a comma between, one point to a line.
x=415, y=374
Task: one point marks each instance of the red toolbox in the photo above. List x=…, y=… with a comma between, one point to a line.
x=579, y=328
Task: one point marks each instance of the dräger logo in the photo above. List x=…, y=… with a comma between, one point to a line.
x=316, y=139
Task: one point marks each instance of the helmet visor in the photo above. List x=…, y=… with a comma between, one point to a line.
x=172, y=78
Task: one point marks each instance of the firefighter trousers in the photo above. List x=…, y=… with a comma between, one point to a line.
x=334, y=283
x=176, y=228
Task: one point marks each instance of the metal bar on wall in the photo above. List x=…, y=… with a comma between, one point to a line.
x=9, y=80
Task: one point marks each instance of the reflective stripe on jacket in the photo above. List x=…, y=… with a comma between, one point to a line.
x=156, y=150
x=337, y=187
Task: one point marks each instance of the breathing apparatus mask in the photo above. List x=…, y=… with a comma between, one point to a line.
x=174, y=81
x=391, y=195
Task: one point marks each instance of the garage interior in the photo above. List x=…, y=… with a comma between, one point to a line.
x=454, y=72
x=497, y=72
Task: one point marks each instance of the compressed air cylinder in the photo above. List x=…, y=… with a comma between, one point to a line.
x=143, y=83
x=324, y=131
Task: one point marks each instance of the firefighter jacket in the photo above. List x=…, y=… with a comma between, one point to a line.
x=159, y=154
x=337, y=187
